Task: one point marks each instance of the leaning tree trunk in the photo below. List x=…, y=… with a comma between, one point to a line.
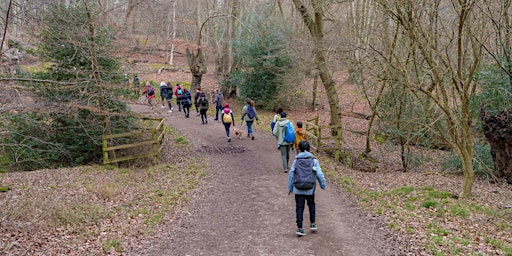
x=498, y=132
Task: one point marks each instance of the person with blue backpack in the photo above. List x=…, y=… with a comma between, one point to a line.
x=249, y=114
x=285, y=133
x=302, y=179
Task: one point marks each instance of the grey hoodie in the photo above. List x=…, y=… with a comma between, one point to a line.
x=279, y=129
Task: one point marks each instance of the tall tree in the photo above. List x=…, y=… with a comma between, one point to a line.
x=313, y=16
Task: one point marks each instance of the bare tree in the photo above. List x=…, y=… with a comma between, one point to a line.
x=313, y=17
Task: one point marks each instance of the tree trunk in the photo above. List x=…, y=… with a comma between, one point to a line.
x=316, y=29
x=498, y=132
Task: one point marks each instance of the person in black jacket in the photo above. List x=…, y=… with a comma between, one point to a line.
x=186, y=101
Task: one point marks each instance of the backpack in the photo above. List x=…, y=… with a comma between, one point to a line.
x=304, y=177
x=250, y=112
x=289, y=133
x=151, y=91
x=179, y=91
x=203, y=101
x=227, y=118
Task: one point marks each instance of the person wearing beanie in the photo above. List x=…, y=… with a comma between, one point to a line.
x=163, y=92
x=149, y=91
x=227, y=118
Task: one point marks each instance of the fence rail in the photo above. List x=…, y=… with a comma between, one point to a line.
x=136, y=140
x=317, y=138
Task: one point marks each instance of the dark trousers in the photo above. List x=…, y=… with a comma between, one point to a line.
x=203, y=115
x=186, y=110
x=300, y=201
x=227, y=126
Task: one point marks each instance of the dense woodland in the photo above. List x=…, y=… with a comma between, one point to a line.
x=435, y=74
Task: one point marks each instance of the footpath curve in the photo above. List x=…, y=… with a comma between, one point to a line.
x=244, y=209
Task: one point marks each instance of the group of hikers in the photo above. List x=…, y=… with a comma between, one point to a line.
x=305, y=169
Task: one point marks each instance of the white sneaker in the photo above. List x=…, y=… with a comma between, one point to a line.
x=162, y=106
x=170, y=111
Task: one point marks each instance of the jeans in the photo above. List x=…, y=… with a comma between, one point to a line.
x=217, y=110
x=299, y=208
x=285, y=155
x=227, y=126
x=249, y=127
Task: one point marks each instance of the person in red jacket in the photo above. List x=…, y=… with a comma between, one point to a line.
x=149, y=91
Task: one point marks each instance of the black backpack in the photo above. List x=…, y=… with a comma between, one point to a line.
x=304, y=177
x=203, y=102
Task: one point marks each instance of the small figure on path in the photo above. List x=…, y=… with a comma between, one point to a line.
x=196, y=98
x=203, y=107
x=283, y=145
x=149, y=91
x=227, y=118
x=219, y=103
x=163, y=92
x=302, y=179
x=178, y=91
x=136, y=81
x=186, y=102
x=300, y=135
x=168, y=95
x=277, y=116
x=249, y=114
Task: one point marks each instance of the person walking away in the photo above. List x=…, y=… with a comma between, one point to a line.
x=227, y=118
x=168, y=95
x=186, y=102
x=277, y=116
x=136, y=81
x=302, y=179
x=178, y=91
x=249, y=114
x=163, y=92
x=283, y=145
x=196, y=98
x=219, y=103
x=203, y=107
x=300, y=135
x=149, y=91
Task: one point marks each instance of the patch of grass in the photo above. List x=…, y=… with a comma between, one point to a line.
x=113, y=243
x=402, y=191
x=76, y=213
x=181, y=141
x=459, y=210
x=429, y=203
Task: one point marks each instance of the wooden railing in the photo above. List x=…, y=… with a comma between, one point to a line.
x=317, y=138
x=139, y=140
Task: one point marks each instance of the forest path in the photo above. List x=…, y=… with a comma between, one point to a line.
x=244, y=209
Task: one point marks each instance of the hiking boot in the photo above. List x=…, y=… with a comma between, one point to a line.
x=300, y=232
x=313, y=227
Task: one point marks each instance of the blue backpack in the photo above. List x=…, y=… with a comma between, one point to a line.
x=289, y=133
x=250, y=112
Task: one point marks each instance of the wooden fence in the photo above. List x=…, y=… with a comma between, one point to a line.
x=146, y=140
x=317, y=135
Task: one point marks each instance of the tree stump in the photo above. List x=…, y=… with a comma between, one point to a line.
x=498, y=131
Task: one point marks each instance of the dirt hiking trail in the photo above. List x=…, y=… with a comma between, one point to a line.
x=244, y=207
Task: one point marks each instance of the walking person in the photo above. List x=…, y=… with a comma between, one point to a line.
x=149, y=91
x=203, y=107
x=186, y=102
x=168, y=95
x=163, y=92
x=249, y=114
x=277, y=116
x=283, y=145
x=219, y=103
x=300, y=135
x=178, y=91
x=227, y=118
x=196, y=98
x=302, y=179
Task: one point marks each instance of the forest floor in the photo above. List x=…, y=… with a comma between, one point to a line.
x=241, y=206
